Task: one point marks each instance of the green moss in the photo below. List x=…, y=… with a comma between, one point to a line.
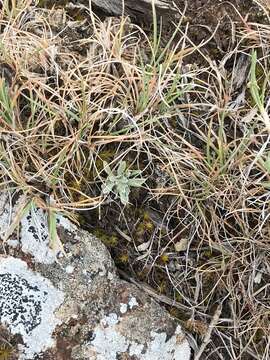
x=108, y=240
x=145, y=226
x=163, y=286
x=123, y=258
x=259, y=335
x=106, y=155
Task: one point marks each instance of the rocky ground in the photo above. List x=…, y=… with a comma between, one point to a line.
x=71, y=304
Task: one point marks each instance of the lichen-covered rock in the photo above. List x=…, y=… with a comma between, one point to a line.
x=73, y=305
x=27, y=305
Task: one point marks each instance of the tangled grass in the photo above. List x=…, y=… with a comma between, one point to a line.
x=75, y=94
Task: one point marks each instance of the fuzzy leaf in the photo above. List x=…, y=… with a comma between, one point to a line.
x=136, y=182
x=122, y=188
x=107, y=168
x=123, y=192
x=107, y=187
x=135, y=172
x=121, y=168
x=124, y=197
x=122, y=181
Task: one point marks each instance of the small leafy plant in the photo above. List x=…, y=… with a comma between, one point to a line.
x=121, y=182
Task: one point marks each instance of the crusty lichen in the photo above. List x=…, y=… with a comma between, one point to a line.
x=108, y=342
x=27, y=305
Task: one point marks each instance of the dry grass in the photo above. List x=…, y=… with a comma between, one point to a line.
x=74, y=94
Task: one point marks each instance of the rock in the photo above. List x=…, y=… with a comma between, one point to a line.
x=73, y=305
x=136, y=9
x=27, y=305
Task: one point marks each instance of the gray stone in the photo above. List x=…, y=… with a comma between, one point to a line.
x=74, y=306
x=27, y=305
x=137, y=9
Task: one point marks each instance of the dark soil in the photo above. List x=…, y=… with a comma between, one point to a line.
x=215, y=22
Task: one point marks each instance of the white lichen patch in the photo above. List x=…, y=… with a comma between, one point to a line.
x=33, y=227
x=109, y=342
x=133, y=302
x=35, y=238
x=123, y=308
x=110, y=276
x=12, y=243
x=173, y=349
x=5, y=213
x=66, y=224
x=69, y=269
x=27, y=305
x=110, y=320
x=8, y=212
